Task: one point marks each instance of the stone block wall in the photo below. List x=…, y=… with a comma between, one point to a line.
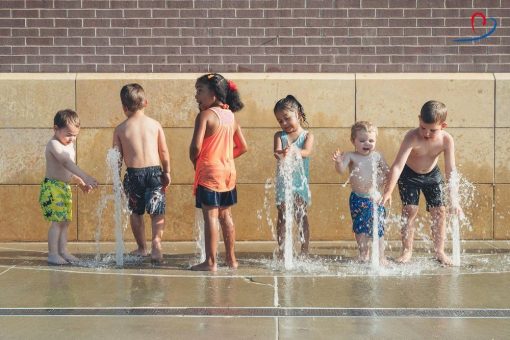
x=478, y=111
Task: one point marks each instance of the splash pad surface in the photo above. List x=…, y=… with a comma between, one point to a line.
x=323, y=297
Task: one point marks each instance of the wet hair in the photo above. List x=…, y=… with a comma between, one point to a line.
x=291, y=103
x=65, y=118
x=433, y=112
x=132, y=97
x=362, y=125
x=222, y=89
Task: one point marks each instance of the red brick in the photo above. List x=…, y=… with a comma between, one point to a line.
x=54, y=68
x=37, y=3
x=167, y=68
x=25, y=68
x=374, y=22
x=67, y=4
x=110, y=13
x=23, y=13
x=95, y=4
x=53, y=32
x=250, y=68
x=152, y=4
x=333, y=68
x=374, y=3
x=388, y=13
x=249, y=13
x=23, y=32
x=388, y=68
x=12, y=22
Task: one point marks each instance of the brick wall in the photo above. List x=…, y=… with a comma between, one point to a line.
x=251, y=36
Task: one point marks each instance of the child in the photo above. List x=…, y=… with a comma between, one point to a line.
x=415, y=168
x=217, y=140
x=364, y=190
x=141, y=143
x=55, y=196
x=290, y=115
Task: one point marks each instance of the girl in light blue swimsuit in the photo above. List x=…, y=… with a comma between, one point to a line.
x=292, y=147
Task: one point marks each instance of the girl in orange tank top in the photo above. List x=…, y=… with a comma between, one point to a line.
x=217, y=140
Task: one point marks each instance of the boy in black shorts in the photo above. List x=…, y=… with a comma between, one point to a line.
x=415, y=168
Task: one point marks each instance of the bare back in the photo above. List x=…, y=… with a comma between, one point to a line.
x=424, y=153
x=137, y=138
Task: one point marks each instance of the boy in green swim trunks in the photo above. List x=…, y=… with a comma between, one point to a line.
x=55, y=196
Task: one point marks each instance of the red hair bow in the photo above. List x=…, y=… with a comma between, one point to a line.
x=232, y=86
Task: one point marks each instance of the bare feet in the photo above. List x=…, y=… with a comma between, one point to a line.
x=363, y=258
x=405, y=257
x=56, y=260
x=156, y=254
x=233, y=264
x=138, y=252
x=383, y=261
x=443, y=259
x=70, y=257
x=205, y=266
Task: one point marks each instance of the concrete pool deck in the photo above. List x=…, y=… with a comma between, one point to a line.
x=325, y=297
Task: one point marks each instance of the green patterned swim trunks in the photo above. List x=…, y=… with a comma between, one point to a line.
x=56, y=201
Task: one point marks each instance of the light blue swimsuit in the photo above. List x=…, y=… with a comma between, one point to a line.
x=300, y=176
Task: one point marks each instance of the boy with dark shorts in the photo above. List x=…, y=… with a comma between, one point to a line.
x=142, y=145
x=415, y=168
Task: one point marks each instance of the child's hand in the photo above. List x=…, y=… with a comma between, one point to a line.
x=457, y=210
x=338, y=156
x=279, y=154
x=85, y=188
x=90, y=182
x=385, y=198
x=166, y=180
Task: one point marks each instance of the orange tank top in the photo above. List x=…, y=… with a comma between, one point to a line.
x=215, y=168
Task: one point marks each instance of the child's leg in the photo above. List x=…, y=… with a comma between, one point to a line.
x=211, y=239
x=229, y=235
x=62, y=244
x=409, y=213
x=280, y=228
x=362, y=239
x=53, y=244
x=158, y=224
x=138, y=228
x=302, y=218
x=439, y=233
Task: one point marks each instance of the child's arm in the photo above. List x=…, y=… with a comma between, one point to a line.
x=240, y=145
x=198, y=137
x=64, y=159
x=164, y=157
x=278, y=150
x=342, y=160
x=396, y=169
x=116, y=144
x=450, y=169
x=307, y=147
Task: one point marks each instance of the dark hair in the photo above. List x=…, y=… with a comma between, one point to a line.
x=132, y=97
x=433, y=112
x=66, y=117
x=224, y=90
x=291, y=103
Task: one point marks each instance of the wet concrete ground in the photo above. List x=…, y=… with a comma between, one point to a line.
x=328, y=296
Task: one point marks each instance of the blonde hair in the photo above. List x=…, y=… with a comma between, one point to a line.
x=362, y=126
x=433, y=112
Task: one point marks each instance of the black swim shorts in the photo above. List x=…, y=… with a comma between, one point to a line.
x=144, y=189
x=410, y=183
x=213, y=198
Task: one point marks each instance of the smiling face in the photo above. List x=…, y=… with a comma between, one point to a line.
x=288, y=120
x=364, y=142
x=430, y=131
x=67, y=134
x=204, y=96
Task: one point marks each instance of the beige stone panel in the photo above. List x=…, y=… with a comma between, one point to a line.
x=22, y=218
x=326, y=142
x=31, y=100
x=171, y=98
x=474, y=153
x=22, y=155
x=502, y=99
x=258, y=164
x=92, y=148
x=328, y=99
x=502, y=212
x=502, y=155
x=96, y=216
x=395, y=100
x=474, y=150
x=178, y=141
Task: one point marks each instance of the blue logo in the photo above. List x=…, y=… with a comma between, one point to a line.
x=484, y=22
